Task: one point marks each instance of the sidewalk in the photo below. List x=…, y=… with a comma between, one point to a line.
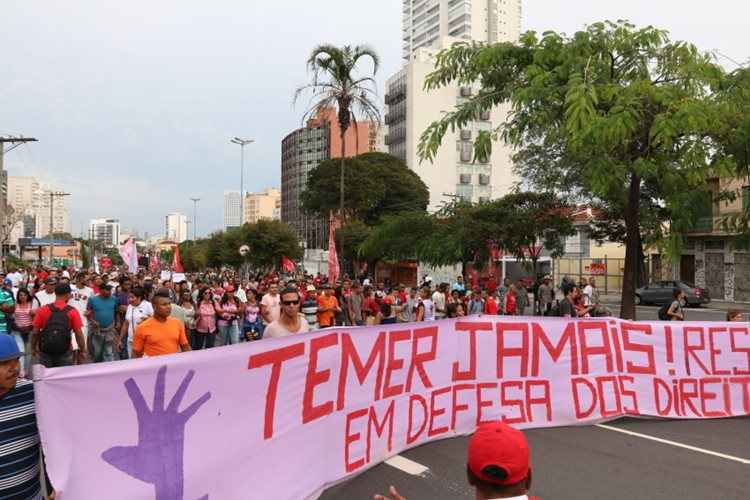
x=721, y=305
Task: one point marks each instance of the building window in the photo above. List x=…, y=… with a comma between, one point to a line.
x=464, y=179
x=484, y=179
x=465, y=135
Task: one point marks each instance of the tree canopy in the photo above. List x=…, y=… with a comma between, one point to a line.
x=268, y=240
x=379, y=185
x=612, y=114
x=520, y=223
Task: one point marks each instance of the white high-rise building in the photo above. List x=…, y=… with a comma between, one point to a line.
x=431, y=26
x=176, y=227
x=232, y=209
x=61, y=214
x=426, y=21
x=106, y=231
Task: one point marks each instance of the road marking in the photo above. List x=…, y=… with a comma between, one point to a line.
x=674, y=443
x=405, y=465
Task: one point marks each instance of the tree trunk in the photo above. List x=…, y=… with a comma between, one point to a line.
x=341, y=195
x=632, y=245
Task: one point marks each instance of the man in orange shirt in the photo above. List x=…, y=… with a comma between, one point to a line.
x=161, y=333
x=328, y=306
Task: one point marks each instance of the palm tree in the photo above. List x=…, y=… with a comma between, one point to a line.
x=336, y=85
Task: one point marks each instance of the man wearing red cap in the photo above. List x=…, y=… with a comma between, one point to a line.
x=498, y=464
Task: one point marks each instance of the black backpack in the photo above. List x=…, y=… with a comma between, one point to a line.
x=663, y=312
x=55, y=336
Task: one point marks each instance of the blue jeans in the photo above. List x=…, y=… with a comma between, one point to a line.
x=252, y=331
x=229, y=334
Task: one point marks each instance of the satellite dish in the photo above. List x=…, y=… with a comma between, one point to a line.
x=244, y=250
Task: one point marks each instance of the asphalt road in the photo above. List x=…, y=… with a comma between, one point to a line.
x=592, y=462
x=703, y=313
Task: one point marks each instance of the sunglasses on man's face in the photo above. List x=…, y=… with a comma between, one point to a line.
x=290, y=302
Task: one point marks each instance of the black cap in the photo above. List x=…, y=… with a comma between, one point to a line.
x=62, y=289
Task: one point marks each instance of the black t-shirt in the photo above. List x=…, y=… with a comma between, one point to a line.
x=568, y=309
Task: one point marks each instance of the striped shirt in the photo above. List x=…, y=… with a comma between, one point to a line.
x=19, y=444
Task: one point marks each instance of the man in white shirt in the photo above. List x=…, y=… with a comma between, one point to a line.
x=498, y=465
x=290, y=321
x=15, y=277
x=79, y=299
x=46, y=295
x=270, y=305
x=438, y=299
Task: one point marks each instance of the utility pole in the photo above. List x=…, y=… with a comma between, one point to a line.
x=52, y=196
x=14, y=143
x=195, y=218
x=242, y=143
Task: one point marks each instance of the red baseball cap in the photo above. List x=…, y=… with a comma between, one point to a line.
x=498, y=444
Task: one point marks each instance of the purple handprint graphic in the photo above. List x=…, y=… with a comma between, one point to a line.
x=157, y=458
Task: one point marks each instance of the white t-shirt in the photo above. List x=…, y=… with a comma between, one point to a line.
x=273, y=304
x=16, y=278
x=42, y=298
x=438, y=299
x=79, y=298
x=277, y=330
x=135, y=315
x=588, y=291
x=66, y=274
x=429, y=310
x=241, y=295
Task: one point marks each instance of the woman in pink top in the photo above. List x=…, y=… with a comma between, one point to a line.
x=205, y=321
x=23, y=317
x=228, y=312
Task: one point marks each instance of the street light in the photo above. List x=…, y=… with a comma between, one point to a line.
x=195, y=217
x=242, y=143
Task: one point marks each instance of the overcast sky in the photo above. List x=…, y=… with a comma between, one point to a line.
x=134, y=102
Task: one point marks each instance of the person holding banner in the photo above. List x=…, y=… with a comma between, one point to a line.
x=290, y=321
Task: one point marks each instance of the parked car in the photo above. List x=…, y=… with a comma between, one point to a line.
x=661, y=292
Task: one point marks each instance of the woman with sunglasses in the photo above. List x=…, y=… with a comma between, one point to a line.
x=290, y=321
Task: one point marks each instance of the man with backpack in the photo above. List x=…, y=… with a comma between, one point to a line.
x=51, y=339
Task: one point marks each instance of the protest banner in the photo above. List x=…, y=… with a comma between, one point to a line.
x=285, y=418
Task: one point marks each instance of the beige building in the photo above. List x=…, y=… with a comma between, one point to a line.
x=454, y=171
x=263, y=205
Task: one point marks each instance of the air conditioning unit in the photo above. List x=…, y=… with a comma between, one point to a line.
x=484, y=179
x=465, y=91
x=484, y=116
x=465, y=135
x=464, y=178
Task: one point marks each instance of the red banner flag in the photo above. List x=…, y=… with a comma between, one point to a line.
x=176, y=263
x=333, y=260
x=287, y=264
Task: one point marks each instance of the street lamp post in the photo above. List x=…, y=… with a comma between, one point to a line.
x=195, y=217
x=52, y=196
x=242, y=143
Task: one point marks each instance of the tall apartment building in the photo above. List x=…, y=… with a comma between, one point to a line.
x=61, y=213
x=232, y=209
x=301, y=151
x=424, y=22
x=105, y=231
x=176, y=227
x=263, y=205
x=428, y=27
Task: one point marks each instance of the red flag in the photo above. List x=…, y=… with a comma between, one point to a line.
x=154, y=266
x=333, y=260
x=176, y=263
x=287, y=264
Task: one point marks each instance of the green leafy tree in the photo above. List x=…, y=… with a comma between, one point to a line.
x=337, y=84
x=379, y=185
x=603, y=113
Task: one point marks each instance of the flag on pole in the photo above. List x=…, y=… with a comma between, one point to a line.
x=287, y=264
x=333, y=260
x=176, y=262
x=129, y=255
x=96, y=264
x=154, y=265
